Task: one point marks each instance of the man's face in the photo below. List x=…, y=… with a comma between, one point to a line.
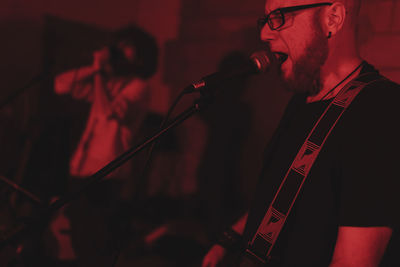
x=123, y=59
x=300, y=44
x=128, y=51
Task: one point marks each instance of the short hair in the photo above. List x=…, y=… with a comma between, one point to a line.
x=146, y=49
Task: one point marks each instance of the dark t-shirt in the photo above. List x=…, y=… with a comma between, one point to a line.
x=354, y=181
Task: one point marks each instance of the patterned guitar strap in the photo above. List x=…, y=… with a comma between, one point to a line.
x=259, y=248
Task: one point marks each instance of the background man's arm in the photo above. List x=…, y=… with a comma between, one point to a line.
x=79, y=82
x=65, y=82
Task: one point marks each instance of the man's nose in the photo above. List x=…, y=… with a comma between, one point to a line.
x=266, y=34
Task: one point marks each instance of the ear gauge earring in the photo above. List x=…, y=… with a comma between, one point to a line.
x=329, y=35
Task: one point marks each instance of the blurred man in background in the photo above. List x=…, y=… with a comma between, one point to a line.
x=116, y=87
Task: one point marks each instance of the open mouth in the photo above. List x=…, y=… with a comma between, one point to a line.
x=281, y=57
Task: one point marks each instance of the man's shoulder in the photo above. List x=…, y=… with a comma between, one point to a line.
x=380, y=90
x=376, y=81
x=377, y=103
x=384, y=83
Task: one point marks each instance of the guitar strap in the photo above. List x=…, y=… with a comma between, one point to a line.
x=259, y=248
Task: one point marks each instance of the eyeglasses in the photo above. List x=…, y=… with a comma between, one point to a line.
x=276, y=18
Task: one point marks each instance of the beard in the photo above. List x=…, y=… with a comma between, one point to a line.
x=306, y=77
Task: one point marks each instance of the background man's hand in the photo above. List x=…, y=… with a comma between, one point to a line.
x=101, y=59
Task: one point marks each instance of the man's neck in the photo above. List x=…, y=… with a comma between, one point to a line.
x=333, y=73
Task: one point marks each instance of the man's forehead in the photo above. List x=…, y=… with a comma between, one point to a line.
x=271, y=5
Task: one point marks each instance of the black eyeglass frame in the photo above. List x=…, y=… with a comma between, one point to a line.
x=281, y=11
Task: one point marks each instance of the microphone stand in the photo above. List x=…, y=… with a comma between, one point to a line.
x=15, y=236
x=21, y=190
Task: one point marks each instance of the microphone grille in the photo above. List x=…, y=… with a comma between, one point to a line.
x=261, y=60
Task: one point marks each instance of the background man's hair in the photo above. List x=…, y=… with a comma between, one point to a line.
x=146, y=49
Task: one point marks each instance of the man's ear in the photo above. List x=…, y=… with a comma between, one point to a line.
x=334, y=18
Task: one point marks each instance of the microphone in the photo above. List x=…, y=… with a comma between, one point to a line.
x=258, y=62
